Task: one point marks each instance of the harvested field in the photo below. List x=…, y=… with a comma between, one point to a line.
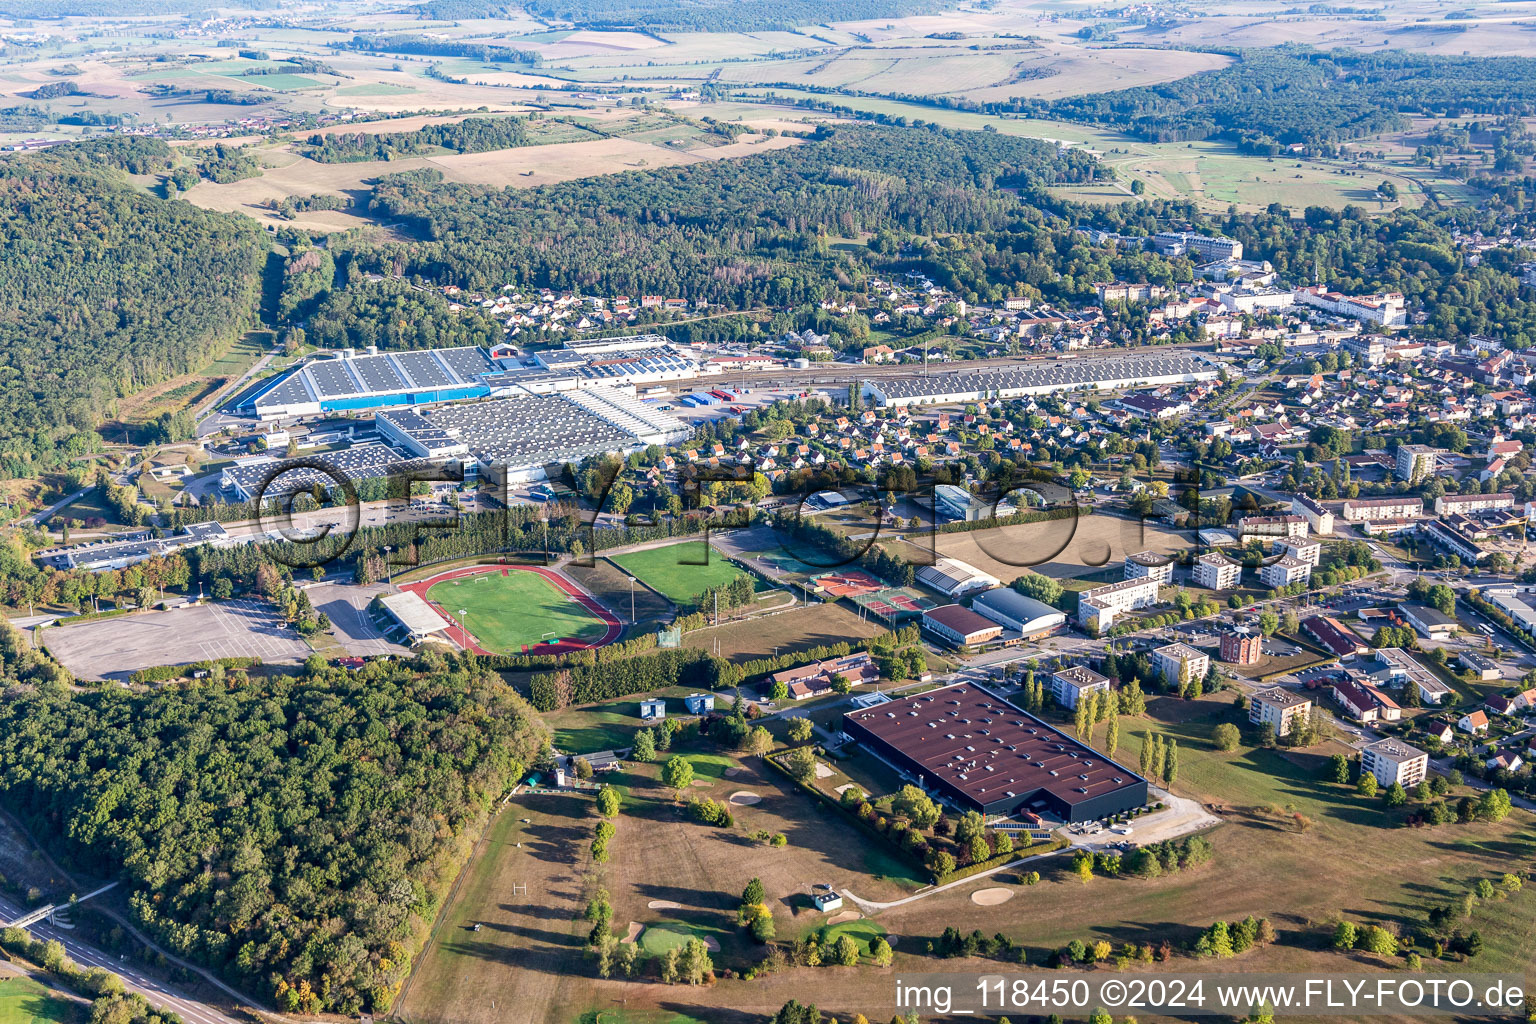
x=1070, y=547
x=796, y=630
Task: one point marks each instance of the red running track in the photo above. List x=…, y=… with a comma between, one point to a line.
x=614, y=627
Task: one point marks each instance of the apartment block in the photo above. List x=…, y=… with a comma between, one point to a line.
x=1098, y=608
x=1395, y=761
x=1216, y=572
x=1278, y=708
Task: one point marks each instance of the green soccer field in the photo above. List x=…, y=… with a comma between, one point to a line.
x=666, y=571
x=505, y=612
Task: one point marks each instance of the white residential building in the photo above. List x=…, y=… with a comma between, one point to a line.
x=1279, y=708
x=1284, y=571
x=1393, y=760
x=1318, y=517
x=1453, y=504
x=1272, y=526
x=1359, y=510
x=1388, y=309
x=1217, y=572
x=1071, y=684
x=1170, y=660
x=1098, y=608
x=1309, y=551
x=1149, y=565
x=1415, y=462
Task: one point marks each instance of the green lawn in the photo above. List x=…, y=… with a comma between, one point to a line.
x=507, y=612
x=24, y=1001
x=605, y=727
x=863, y=931
x=676, y=570
x=658, y=938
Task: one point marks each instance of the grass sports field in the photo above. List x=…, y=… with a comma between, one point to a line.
x=506, y=612
x=24, y=1001
x=673, y=570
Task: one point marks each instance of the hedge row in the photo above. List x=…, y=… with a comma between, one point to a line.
x=165, y=673
x=999, y=859
x=587, y=684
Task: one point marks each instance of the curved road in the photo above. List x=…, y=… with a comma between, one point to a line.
x=159, y=994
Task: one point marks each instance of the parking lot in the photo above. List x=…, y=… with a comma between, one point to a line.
x=351, y=625
x=116, y=648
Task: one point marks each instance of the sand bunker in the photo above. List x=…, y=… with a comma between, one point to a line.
x=664, y=905
x=734, y=771
x=991, y=897
x=633, y=935
x=849, y=785
x=703, y=782
x=711, y=944
x=744, y=798
x=847, y=915
x=822, y=771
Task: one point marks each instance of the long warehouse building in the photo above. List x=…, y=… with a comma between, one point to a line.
x=349, y=381
x=1095, y=374
x=977, y=752
x=505, y=440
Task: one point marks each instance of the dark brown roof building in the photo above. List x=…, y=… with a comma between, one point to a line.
x=958, y=625
x=974, y=750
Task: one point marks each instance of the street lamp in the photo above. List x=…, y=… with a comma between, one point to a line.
x=389, y=576
x=631, y=600
x=463, y=632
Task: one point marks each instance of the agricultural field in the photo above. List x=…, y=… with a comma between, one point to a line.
x=681, y=571
x=509, y=612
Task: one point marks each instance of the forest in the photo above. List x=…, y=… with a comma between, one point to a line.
x=742, y=232
x=1275, y=97
x=294, y=834
x=472, y=135
x=106, y=290
x=430, y=46
x=722, y=15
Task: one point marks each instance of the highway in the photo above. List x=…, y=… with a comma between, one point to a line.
x=159, y=994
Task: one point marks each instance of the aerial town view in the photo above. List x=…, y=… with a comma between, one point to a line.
x=746, y=512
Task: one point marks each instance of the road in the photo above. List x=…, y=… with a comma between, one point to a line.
x=43, y=515
x=207, y=424
x=158, y=993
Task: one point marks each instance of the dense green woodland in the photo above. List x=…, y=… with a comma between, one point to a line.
x=105, y=290
x=294, y=834
x=722, y=15
x=472, y=135
x=739, y=232
x=1273, y=97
